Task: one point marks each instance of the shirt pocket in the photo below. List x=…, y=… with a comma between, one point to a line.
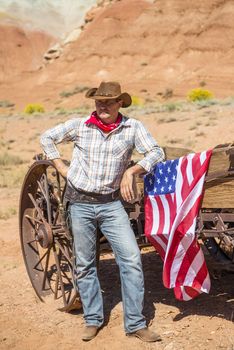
x=122, y=149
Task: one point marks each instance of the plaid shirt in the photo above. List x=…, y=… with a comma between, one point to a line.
x=100, y=159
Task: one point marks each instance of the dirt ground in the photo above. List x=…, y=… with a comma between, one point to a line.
x=205, y=323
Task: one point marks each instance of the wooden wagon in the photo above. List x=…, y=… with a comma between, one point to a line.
x=46, y=240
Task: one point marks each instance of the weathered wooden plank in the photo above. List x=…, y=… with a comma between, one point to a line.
x=222, y=159
x=174, y=152
x=219, y=188
x=219, y=194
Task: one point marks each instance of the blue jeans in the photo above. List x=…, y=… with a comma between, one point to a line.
x=114, y=224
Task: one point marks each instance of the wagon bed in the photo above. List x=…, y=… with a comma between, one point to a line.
x=46, y=240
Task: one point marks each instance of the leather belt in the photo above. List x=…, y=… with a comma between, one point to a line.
x=74, y=195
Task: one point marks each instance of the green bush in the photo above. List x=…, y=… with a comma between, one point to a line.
x=34, y=108
x=199, y=94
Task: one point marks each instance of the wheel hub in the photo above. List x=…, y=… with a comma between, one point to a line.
x=44, y=236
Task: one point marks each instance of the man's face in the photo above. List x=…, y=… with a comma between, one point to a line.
x=108, y=110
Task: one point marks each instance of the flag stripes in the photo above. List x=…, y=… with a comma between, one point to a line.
x=172, y=199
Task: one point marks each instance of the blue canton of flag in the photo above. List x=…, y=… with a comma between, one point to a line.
x=163, y=179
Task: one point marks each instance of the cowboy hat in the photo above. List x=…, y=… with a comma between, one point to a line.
x=109, y=90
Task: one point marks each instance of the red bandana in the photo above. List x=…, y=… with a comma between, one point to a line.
x=94, y=119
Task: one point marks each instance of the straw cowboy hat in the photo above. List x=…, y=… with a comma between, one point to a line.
x=109, y=90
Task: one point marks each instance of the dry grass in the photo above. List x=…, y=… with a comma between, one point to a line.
x=8, y=213
x=11, y=177
x=7, y=159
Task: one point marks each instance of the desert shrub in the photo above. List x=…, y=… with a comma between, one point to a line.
x=206, y=103
x=6, y=104
x=4, y=215
x=170, y=107
x=202, y=83
x=34, y=108
x=137, y=101
x=12, y=177
x=10, y=159
x=76, y=90
x=60, y=111
x=167, y=93
x=199, y=94
x=200, y=133
x=66, y=94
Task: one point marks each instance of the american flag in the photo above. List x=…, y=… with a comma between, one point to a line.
x=173, y=192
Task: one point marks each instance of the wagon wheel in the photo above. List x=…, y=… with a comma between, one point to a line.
x=45, y=238
x=218, y=235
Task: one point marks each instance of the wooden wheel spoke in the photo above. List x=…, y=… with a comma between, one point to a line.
x=59, y=274
x=33, y=247
x=42, y=190
x=46, y=189
x=30, y=219
x=56, y=287
x=68, y=295
x=69, y=280
x=41, y=259
x=39, y=211
x=46, y=269
x=32, y=241
x=64, y=253
x=55, y=218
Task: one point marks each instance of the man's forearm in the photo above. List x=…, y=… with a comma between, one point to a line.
x=60, y=166
x=136, y=170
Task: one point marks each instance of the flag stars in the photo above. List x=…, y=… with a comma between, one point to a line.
x=162, y=180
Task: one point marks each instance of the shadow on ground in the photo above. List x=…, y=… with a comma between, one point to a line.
x=219, y=303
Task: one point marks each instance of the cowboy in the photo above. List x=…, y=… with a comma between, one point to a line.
x=97, y=175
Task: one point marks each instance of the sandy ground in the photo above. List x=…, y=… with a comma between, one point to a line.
x=26, y=323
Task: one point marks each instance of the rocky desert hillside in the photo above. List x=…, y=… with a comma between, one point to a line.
x=21, y=51
x=150, y=46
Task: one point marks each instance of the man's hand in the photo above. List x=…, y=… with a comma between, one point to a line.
x=61, y=167
x=126, y=185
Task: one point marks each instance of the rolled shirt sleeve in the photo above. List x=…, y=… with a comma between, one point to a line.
x=145, y=144
x=60, y=133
